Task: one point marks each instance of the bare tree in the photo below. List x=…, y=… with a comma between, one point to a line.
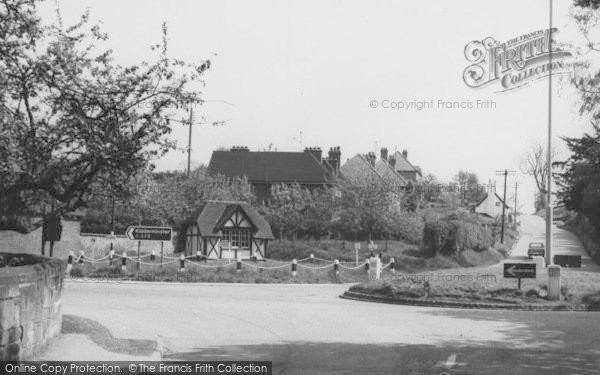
x=535, y=163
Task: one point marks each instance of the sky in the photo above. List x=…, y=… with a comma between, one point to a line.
x=294, y=74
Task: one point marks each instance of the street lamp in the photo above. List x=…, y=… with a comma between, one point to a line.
x=549, y=160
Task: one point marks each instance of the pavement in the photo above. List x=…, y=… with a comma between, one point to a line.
x=309, y=329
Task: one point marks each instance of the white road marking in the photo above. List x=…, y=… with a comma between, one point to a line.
x=451, y=361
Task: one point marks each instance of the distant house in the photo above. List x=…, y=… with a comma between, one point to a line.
x=266, y=168
x=360, y=169
x=492, y=204
x=229, y=230
x=385, y=166
x=405, y=168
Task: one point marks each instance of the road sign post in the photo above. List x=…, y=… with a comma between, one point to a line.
x=519, y=271
x=143, y=233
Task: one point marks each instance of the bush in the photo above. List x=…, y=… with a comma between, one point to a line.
x=451, y=235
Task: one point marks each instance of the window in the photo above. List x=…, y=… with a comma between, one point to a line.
x=238, y=238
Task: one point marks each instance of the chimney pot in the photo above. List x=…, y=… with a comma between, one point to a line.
x=405, y=154
x=384, y=154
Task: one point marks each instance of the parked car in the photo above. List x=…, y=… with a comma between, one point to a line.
x=535, y=249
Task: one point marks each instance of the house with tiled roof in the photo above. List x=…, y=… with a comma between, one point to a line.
x=360, y=169
x=226, y=230
x=385, y=167
x=405, y=168
x=263, y=169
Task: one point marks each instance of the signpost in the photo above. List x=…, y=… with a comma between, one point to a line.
x=141, y=233
x=144, y=233
x=519, y=271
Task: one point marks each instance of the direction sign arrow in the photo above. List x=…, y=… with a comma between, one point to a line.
x=143, y=233
x=519, y=270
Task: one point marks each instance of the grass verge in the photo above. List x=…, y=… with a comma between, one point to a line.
x=579, y=290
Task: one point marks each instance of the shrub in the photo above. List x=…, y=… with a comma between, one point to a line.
x=450, y=235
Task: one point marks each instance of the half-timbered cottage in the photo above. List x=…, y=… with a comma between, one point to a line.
x=228, y=230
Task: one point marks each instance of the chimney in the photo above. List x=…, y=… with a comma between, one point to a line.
x=384, y=154
x=405, y=154
x=314, y=151
x=392, y=161
x=335, y=157
x=239, y=149
x=371, y=158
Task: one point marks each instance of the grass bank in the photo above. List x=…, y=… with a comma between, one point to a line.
x=485, y=285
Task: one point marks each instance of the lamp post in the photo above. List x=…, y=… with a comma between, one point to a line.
x=549, y=157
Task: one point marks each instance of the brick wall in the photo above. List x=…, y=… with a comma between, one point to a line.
x=30, y=306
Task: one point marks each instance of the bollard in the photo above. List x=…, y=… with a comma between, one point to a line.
x=80, y=257
x=377, y=268
x=152, y=255
x=111, y=255
x=393, y=265
x=198, y=255
x=124, y=262
x=69, y=263
x=238, y=266
x=312, y=257
x=374, y=269
x=336, y=267
x=553, y=282
x=294, y=267
x=181, y=263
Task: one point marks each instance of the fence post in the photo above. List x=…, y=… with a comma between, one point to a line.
x=111, y=255
x=294, y=267
x=181, y=263
x=152, y=255
x=312, y=257
x=367, y=265
x=69, y=263
x=198, y=255
x=124, y=262
x=393, y=265
x=336, y=267
x=81, y=257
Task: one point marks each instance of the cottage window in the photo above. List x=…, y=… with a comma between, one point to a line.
x=238, y=238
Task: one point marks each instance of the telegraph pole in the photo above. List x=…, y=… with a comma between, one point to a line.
x=549, y=160
x=516, y=190
x=189, y=150
x=505, y=172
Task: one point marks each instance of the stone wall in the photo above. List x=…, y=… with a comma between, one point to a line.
x=30, y=306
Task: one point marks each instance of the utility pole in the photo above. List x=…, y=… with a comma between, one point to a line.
x=516, y=190
x=549, y=160
x=505, y=172
x=189, y=150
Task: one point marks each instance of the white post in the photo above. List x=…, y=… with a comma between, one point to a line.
x=69, y=263
x=553, y=282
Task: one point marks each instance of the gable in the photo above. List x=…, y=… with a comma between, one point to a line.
x=403, y=165
x=358, y=169
x=216, y=215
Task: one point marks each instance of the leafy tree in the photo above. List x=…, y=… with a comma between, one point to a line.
x=71, y=118
x=469, y=188
x=163, y=198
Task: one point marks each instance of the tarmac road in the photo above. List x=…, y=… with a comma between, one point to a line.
x=308, y=329
x=533, y=229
